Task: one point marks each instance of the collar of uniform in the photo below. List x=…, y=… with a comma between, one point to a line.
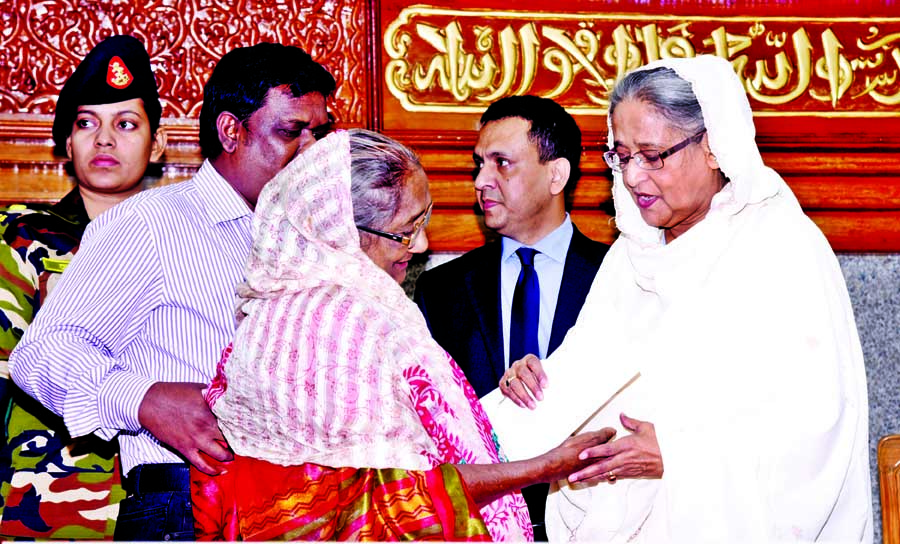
x=222, y=201
x=555, y=245
x=71, y=208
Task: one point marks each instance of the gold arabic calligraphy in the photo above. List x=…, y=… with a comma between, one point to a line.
x=461, y=60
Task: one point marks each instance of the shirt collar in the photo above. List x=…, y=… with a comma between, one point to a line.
x=222, y=201
x=555, y=245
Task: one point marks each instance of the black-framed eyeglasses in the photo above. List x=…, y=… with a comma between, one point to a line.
x=407, y=241
x=648, y=160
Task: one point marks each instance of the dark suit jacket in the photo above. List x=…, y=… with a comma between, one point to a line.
x=461, y=303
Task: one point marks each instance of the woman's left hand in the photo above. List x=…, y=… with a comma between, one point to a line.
x=633, y=456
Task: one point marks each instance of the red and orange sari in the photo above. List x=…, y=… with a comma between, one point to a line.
x=259, y=500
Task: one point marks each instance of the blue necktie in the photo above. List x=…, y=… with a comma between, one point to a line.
x=526, y=307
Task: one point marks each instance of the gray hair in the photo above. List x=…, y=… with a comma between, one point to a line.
x=379, y=170
x=664, y=90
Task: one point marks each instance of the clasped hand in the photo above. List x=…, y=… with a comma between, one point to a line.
x=635, y=455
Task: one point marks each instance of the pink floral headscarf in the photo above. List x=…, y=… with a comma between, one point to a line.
x=332, y=363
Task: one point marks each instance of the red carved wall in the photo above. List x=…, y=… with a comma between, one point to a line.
x=43, y=41
x=826, y=90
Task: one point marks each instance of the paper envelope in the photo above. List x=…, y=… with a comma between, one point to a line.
x=571, y=398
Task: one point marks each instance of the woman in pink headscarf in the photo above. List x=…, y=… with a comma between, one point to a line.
x=333, y=366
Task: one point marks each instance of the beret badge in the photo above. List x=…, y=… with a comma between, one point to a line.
x=117, y=75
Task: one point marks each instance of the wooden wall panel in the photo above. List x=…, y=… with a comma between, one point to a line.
x=826, y=91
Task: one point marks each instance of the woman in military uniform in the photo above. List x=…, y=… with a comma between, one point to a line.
x=107, y=124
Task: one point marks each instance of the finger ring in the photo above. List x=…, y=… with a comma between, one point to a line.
x=509, y=380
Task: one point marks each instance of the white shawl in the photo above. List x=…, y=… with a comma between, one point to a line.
x=751, y=367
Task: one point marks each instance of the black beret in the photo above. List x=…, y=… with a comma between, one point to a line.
x=116, y=69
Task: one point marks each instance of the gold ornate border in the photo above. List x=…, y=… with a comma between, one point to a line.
x=450, y=62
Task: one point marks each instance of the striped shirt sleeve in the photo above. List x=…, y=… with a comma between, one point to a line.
x=71, y=358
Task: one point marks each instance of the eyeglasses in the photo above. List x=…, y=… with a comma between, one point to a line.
x=648, y=160
x=407, y=241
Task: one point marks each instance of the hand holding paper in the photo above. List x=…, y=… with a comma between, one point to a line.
x=572, y=392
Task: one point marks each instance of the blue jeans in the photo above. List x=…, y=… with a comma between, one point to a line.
x=158, y=505
x=156, y=516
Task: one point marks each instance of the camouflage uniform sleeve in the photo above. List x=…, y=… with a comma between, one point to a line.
x=18, y=291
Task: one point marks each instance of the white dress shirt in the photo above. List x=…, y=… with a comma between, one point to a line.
x=549, y=265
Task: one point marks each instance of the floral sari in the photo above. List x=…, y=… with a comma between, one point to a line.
x=333, y=366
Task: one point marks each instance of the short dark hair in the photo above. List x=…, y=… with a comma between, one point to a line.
x=553, y=129
x=243, y=77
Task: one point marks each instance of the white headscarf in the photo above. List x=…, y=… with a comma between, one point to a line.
x=751, y=368
x=732, y=139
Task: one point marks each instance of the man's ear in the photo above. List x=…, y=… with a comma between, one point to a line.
x=69, y=146
x=228, y=126
x=560, y=169
x=159, y=144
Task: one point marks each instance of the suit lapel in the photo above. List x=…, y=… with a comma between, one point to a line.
x=578, y=276
x=483, y=284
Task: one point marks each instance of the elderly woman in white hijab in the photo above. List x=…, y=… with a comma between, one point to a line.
x=730, y=303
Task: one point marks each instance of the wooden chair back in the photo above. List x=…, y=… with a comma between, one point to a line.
x=889, y=479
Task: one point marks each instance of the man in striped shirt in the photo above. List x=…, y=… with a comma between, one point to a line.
x=137, y=323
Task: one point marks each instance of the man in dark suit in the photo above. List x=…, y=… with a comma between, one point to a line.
x=526, y=161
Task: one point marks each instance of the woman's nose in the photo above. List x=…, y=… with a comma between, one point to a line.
x=632, y=174
x=420, y=244
x=104, y=137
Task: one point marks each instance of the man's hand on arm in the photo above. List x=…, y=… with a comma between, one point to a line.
x=178, y=416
